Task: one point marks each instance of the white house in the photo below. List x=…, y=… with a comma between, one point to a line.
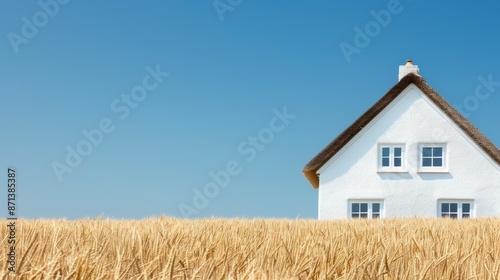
x=410, y=155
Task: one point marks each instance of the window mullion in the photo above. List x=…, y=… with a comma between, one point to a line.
x=391, y=156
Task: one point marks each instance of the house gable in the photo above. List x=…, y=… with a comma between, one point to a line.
x=406, y=83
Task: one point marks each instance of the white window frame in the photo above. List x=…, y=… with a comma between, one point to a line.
x=459, y=212
x=391, y=167
x=369, y=212
x=437, y=169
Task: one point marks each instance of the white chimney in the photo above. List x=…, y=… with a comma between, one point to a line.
x=407, y=69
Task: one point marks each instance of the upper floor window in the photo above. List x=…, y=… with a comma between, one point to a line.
x=432, y=157
x=391, y=157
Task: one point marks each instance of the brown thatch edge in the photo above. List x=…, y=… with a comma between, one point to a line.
x=329, y=151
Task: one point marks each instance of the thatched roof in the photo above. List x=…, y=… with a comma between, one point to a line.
x=336, y=145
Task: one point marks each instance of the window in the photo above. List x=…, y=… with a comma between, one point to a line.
x=366, y=209
x=455, y=209
x=391, y=157
x=432, y=157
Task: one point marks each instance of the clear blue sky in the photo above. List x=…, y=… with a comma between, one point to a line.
x=227, y=73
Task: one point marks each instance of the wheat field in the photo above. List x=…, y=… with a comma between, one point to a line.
x=169, y=248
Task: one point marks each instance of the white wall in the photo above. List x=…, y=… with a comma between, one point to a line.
x=411, y=119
